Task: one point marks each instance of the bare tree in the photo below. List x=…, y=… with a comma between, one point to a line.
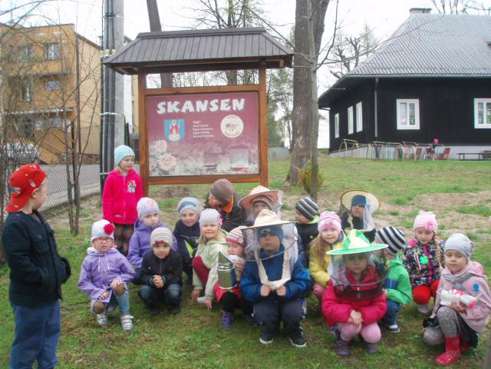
x=460, y=6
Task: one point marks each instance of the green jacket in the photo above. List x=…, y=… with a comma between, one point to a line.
x=397, y=282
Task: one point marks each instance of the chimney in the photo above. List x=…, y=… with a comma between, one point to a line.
x=420, y=11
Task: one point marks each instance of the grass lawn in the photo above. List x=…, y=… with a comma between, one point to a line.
x=458, y=192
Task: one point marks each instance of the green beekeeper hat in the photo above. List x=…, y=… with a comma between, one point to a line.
x=356, y=243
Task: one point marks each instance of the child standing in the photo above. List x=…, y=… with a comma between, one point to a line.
x=36, y=271
x=187, y=232
x=354, y=300
x=306, y=217
x=422, y=260
x=122, y=190
x=397, y=284
x=330, y=237
x=105, y=274
x=463, y=302
x=211, y=242
x=161, y=273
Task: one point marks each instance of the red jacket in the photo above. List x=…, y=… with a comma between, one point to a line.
x=337, y=309
x=121, y=193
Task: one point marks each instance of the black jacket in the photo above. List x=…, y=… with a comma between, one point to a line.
x=36, y=269
x=187, y=234
x=233, y=219
x=170, y=268
x=307, y=233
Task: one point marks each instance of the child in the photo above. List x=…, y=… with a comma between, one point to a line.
x=227, y=291
x=354, y=300
x=422, y=260
x=275, y=280
x=161, y=273
x=330, y=237
x=122, y=190
x=104, y=276
x=306, y=217
x=357, y=208
x=36, y=271
x=397, y=284
x=211, y=242
x=258, y=199
x=187, y=233
x=222, y=197
x=463, y=302
x=148, y=220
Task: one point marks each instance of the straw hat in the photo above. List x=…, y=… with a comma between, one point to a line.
x=347, y=197
x=258, y=192
x=267, y=218
x=356, y=243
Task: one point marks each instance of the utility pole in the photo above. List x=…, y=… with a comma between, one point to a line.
x=112, y=118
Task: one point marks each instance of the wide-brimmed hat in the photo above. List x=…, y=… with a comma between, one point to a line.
x=267, y=218
x=347, y=198
x=356, y=243
x=259, y=193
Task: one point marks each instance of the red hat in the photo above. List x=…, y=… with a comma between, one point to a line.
x=23, y=182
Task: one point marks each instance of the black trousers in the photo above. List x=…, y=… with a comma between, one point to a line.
x=270, y=312
x=230, y=302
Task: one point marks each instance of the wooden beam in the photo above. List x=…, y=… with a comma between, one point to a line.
x=263, y=128
x=142, y=130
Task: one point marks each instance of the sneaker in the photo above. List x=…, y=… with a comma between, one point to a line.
x=127, y=322
x=393, y=328
x=298, y=339
x=342, y=347
x=424, y=309
x=266, y=338
x=227, y=320
x=372, y=348
x=101, y=319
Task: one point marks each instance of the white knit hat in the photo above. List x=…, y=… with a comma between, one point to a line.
x=210, y=216
x=146, y=206
x=102, y=228
x=459, y=242
x=161, y=234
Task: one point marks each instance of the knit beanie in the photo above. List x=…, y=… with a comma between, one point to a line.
x=308, y=208
x=392, y=237
x=264, y=199
x=210, y=216
x=236, y=236
x=121, y=152
x=223, y=190
x=329, y=218
x=459, y=242
x=161, y=234
x=189, y=203
x=102, y=228
x=358, y=200
x=146, y=206
x=426, y=220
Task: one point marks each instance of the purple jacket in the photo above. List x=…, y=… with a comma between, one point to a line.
x=99, y=269
x=140, y=243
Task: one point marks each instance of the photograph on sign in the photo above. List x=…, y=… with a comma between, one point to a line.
x=203, y=134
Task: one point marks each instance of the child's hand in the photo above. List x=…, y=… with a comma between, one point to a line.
x=195, y=294
x=355, y=317
x=458, y=307
x=103, y=295
x=209, y=304
x=265, y=290
x=158, y=281
x=281, y=291
x=239, y=265
x=116, y=282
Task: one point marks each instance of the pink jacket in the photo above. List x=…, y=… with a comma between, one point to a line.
x=472, y=281
x=121, y=193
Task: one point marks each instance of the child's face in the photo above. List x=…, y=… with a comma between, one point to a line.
x=258, y=206
x=268, y=241
x=127, y=163
x=388, y=255
x=235, y=249
x=161, y=249
x=214, y=202
x=189, y=217
x=210, y=231
x=39, y=196
x=423, y=235
x=455, y=261
x=356, y=263
x=330, y=234
x=300, y=218
x=103, y=244
x=357, y=211
x=151, y=220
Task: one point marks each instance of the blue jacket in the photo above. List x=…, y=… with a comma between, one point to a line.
x=298, y=286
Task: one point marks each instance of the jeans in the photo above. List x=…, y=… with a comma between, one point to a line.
x=393, y=308
x=169, y=295
x=271, y=311
x=36, y=336
x=122, y=301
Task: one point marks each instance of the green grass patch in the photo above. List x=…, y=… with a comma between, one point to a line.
x=482, y=210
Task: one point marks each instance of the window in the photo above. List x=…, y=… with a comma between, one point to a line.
x=52, y=85
x=350, y=120
x=336, y=125
x=407, y=114
x=359, y=117
x=27, y=91
x=26, y=53
x=482, y=113
x=52, y=51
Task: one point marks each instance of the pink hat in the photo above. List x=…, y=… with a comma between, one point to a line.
x=426, y=220
x=236, y=236
x=329, y=218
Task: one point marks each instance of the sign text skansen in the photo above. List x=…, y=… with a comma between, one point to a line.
x=199, y=106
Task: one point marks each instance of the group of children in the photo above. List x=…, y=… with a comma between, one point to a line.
x=240, y=254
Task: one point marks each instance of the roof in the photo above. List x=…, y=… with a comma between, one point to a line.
x=232, y=48
x=430, y=46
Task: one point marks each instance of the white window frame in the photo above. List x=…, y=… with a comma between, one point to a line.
x=359, y=117
x=27, y=90
x=350, y=120
x=486, y=124
x=336, y=125
x=52, y=51
x=407, y=126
